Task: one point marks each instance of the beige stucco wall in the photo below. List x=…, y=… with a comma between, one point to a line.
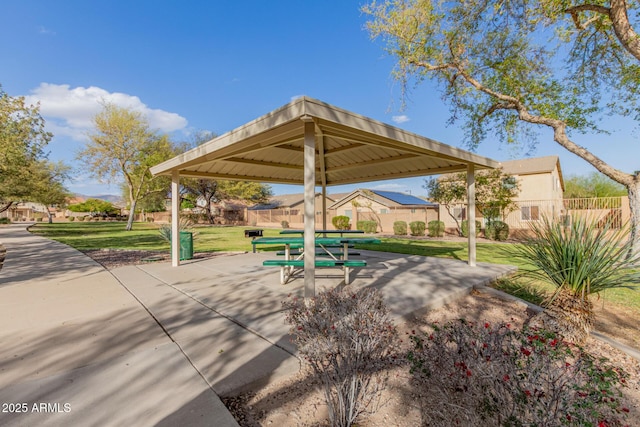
x=318, y=202
x=542, y=186
x=365, y=205
x=273, y=217
x=542, y=190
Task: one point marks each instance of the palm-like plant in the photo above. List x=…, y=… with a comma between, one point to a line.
x=580, y=259
x=184, y=224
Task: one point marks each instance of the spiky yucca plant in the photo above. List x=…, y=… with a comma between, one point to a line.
x=185, y=224
x=580, y=259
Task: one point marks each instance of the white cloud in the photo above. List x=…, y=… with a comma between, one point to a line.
x=70, y=112
x=400, y=119
x=294, y=97
x=46, y=31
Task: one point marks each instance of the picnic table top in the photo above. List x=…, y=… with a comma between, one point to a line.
x=319, y=240
x=341, y=232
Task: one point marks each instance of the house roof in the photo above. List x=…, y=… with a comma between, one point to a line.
x=349, y=148
x=530, y=166
x=385, y=198
x=401, y=198
x=286, y=201
x=534, y=165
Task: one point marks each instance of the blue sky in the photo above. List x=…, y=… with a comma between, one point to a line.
x=215, y=65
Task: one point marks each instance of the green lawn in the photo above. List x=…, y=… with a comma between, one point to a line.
x=145, y=236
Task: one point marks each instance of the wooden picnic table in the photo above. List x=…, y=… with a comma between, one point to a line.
x=341, y=259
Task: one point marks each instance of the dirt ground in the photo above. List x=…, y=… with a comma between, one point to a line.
x=112, y=258
x=298, y=400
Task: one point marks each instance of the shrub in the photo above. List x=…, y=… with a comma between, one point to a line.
x=482, y=375
x=400, y=228
x=367, y=226
x=195, y=218
x=417, y=228
x=341, y=222
x=71, y=218
x=80, y=218
x=346, y=337
x=184, y=224
x=578, y=260
x=284, y=224
x=464, y=227
x=497, y=230
x=436, y=228
x=5, y=221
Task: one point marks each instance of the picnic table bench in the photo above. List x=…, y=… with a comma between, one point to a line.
x=337, y=259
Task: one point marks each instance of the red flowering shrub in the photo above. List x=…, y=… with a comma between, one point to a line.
x=348, y=338
x=472, y=374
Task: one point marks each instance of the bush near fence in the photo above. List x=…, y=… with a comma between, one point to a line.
x=417, y=228
x=385, y=220
x=367, y=226
x=436, y=228
x=464, y=228
x=400, y=228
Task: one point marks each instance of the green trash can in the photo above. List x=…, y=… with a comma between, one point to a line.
x=186, y=245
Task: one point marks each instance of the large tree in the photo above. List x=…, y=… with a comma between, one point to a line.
x=22, y=140
x=508, y=68
x=495, y=193
x=592, y=185
x=123, y=146
x=48, y=185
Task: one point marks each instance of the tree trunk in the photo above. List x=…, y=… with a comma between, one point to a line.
x=458, y=228
x=210, y=216
x=622, y=27
x=634, y=221
x=132, y=214
x=6, y=206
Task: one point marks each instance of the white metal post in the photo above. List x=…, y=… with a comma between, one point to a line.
x=309, y=208
x=175, y=218
x=324, y=208
x=471, y=213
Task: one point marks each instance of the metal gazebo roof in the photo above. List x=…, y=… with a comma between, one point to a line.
x=350, y=148
x=312, y=143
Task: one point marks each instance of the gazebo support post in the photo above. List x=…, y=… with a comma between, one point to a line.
x=175, y=218
x=471, y=217
x=324, y=208
x=323, y=179
x=309, y=208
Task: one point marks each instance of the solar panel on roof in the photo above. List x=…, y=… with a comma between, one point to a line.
x=401, y=198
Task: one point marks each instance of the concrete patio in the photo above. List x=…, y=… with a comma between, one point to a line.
x=157, y=345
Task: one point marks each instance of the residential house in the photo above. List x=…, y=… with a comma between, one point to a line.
x=384, y=207
x=286, y=209
x=25, y=211
x=541, y=193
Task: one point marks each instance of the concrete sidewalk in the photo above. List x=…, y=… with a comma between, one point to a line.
x=156, y=345
x=77, y=349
